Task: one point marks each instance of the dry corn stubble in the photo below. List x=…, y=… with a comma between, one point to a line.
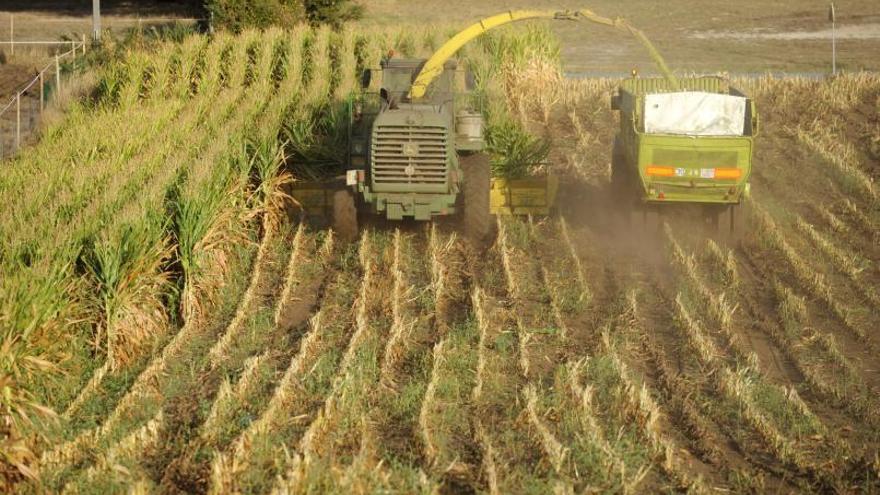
x=816, y=283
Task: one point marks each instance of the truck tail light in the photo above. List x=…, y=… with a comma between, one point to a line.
x=728, y=173
x=659, y=171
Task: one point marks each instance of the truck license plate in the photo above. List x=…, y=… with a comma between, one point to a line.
x=707, y=173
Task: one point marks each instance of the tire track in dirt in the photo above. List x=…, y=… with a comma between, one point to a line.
x=837, y=298
x=185, y=346
x=853, y=336
x=337, y=433
x=170, y=391
x=736, y=321
x=839, y=392
x=250, y=462
x=707, y=448
x=823, y=450
x=817, y=177
x=784, y=424
x=671, y=422
x=713, y=439
x=752, y=266
x=634, y=259
x=774, y=349
x=298, y=287
x=447, y=420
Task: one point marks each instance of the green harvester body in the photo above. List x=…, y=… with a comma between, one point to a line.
x=405, y=153
x=689, y=162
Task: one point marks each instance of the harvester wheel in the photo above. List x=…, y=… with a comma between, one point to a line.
x=345, y=221
x=475, y=194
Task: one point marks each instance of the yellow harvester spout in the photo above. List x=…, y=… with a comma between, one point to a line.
x=434, y=66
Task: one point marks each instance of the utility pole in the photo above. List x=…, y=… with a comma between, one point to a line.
x=832, y=16
x=96, y=20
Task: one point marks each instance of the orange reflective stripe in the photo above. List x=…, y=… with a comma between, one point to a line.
x=660, y=171
x=728, y=173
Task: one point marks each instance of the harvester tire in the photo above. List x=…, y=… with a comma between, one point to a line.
x=345, y=220
x=477, y=218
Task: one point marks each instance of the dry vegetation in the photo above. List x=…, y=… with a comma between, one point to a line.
x=209, y=343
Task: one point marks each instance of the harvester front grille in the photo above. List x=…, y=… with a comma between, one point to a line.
x=405, y=155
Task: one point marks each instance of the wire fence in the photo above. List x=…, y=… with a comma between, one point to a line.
x=20, y=117
x=23, y=41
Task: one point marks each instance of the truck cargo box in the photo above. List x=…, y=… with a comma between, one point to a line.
x=692, y=143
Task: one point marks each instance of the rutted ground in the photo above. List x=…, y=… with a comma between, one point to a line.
x=369, y=367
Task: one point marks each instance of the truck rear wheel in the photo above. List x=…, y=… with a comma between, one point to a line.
x=345, y=220
x=477, y=176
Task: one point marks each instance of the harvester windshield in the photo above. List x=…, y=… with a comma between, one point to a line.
x=398, y=75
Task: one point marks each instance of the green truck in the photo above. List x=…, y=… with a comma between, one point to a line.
x=687, y=144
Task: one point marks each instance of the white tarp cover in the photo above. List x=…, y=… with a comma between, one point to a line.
x=695, y=114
